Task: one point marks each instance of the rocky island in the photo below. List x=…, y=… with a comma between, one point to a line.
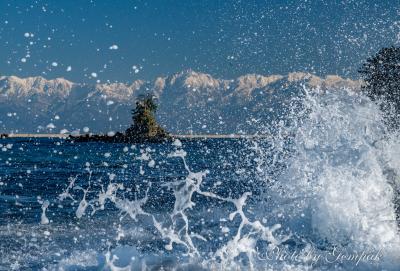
x=144, y=126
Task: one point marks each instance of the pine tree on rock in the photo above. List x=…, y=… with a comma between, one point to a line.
x=144, y=124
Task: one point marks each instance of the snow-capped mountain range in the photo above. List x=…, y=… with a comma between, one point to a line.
x=189, y=102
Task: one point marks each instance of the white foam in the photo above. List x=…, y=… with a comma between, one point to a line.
x=337, y=175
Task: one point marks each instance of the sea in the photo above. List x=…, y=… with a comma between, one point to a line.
x=318, y=191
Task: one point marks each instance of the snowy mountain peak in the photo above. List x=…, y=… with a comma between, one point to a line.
x=192, y=79
x=249, y=82
x=23, y=87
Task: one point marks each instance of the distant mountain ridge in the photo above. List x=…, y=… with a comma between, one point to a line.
x=189, y=102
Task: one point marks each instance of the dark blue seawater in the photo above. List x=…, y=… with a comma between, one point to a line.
x=33, y=171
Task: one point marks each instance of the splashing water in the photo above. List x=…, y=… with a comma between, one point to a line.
x=44, y=219
x=342, y=180
x=320, y=193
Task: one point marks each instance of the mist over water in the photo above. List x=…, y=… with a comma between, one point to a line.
x=324, y=183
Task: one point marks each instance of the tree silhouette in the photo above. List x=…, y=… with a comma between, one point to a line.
x=381, y=74
x=144, y=123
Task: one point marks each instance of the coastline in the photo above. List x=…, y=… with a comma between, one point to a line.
x=182, y=136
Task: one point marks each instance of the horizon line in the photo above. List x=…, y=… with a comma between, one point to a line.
x=34, y=135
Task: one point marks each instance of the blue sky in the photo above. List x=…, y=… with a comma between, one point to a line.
x=161, y=37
